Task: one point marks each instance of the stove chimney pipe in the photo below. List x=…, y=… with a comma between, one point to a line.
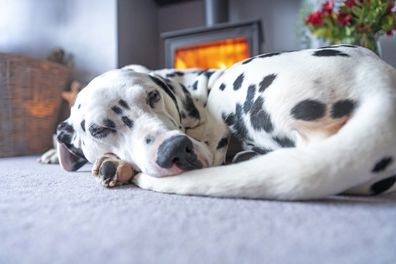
x=216, y=11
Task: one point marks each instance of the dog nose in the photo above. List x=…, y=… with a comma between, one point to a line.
x=178, y=150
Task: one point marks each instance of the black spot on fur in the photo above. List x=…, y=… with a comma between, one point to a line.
x=195, y=85
x=176, y=73
x=341, y=45
x=222, y=143
x=209, y=90
x=170, y=85
x=82, y=124
x=382, y=164
x=239, y=125
x=244, y=156
x=308, y=110
x=284, y=142
x=248, y=60
x=329, y=53
x=109, y=123
x=222, y=86
x=348, y=46
x=261, y=151
x=266, y=82
x=117, y=110
x=259, y=118
x=249, y=98
x=342, y=108
x=64, y=133
x=229, y=119
x=79, y=106
x=184, y=89
x=164, y=87
x=64, y=137
x=189, y=106
x=207, y=73
x=238, y=82
x=266, y=55
x=128, y=122
x=123, y=104
x=100, y=131
x=65, y=127
x=167, y=90
x=383, y=185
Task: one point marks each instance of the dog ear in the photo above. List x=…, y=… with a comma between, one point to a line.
x=71, y=158
x=68, y=160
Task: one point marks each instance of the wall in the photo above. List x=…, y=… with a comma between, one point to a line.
x=274, y=15
x=138, y=35
x=86, y=29
x=388, y=48
x=279, y=19
x=105, y=34
x=179, y=16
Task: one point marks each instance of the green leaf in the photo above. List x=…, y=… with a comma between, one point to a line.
x=320, y=32
x=356, y=11
x=387, y=23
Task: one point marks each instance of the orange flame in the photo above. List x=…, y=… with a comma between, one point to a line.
x=212, y=55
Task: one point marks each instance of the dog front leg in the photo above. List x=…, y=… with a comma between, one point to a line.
x=112, y=171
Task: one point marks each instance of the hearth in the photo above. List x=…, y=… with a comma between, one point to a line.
x=217, y=45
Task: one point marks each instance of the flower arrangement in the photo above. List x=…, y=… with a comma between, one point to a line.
x=358, y=22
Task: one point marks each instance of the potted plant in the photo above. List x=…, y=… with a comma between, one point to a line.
x=359, y=22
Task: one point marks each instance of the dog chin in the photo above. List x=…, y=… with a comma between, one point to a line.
x=174, y=170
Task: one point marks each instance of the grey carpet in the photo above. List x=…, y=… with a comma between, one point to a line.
x=51, y=216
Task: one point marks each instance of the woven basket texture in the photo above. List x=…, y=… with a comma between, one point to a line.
x=30, y=99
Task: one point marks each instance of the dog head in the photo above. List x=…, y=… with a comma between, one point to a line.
x=135, y=116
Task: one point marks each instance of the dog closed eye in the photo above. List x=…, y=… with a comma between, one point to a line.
x=100, y=132
x=152, y=98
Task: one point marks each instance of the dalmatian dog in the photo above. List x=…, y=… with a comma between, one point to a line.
x=312, y=123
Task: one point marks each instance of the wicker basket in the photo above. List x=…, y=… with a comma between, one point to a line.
x=30, y=99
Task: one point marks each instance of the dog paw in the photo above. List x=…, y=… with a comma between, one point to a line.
x=112, y=171
x=49, y=157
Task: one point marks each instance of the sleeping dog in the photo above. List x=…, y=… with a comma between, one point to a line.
x=314, y=123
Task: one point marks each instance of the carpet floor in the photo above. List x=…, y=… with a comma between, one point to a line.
x=51, y=216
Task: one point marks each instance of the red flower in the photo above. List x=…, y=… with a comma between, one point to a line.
x=390, y=7
x=327, y=7
x=389, y=33
x=344, y=19
x=315, y=19
x=349, y=3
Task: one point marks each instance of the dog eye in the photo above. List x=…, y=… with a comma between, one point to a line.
x=153, y=97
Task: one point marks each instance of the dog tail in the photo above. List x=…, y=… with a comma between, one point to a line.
x=338, y=163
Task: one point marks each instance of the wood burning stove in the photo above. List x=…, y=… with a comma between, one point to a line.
x=217, y=45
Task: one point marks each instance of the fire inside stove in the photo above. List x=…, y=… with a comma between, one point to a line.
x=212, y=55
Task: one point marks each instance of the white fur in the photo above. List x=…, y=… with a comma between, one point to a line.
x=317, y=168
x=324, y=162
